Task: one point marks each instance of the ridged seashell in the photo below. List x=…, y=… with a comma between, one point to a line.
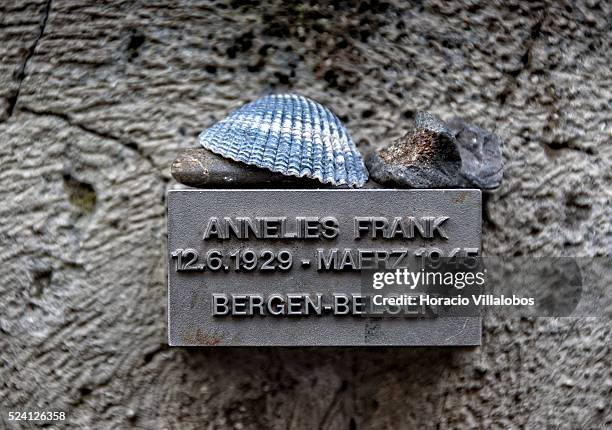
x=292, y=135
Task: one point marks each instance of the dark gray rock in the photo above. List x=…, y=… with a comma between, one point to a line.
x=436, y=155
x=481, y=157
x=425, y=157
x=201, y=168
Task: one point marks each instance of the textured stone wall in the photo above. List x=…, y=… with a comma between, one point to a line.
x=97, y=97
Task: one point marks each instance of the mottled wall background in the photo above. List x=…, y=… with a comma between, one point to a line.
x=97, y=97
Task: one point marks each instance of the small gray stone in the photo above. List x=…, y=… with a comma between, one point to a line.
x=201, y=168
x=435, y=155
x=481, y=156
x=425, y=157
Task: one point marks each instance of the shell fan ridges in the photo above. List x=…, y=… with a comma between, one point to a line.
x=290, y=134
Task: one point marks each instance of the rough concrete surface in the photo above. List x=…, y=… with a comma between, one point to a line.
x=96, y=98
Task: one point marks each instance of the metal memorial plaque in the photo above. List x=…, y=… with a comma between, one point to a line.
x=285, y=267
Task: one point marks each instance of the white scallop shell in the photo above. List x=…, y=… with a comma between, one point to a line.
x=290, y=134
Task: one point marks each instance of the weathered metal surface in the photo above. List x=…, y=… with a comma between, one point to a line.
x=209, y=258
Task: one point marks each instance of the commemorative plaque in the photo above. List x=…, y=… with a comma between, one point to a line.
x=286, y=267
